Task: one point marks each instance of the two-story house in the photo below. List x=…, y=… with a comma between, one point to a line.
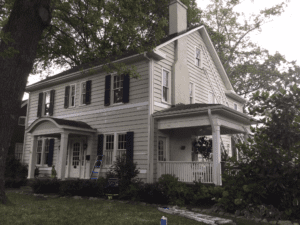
x=183, y=92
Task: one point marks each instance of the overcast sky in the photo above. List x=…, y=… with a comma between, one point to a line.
x=279, y=35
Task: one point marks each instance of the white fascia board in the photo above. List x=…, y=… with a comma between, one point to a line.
x=235, y=96
x=76, y=74
x=157, y=55
x=211, y=50
x=215, y=57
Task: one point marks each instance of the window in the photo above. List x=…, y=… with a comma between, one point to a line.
x=115, y=144
x=18, y=151
x=39, y=152
x=70, y=95
x=121, y=145
x=165, y=86
x=46, y=103
x=44, y=151
x=118, y=88
x=83, y=93
x=22, y=120
x=211, y=98
x=109, y=148
x=191, y=93
x=235, y=106
x=198, y=57
x=86, y=90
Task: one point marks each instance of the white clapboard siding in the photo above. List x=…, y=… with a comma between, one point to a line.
x=107, y=119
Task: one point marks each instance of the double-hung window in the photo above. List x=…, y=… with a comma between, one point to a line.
x=115, y=145
x=86, y=90
x=191, y=93
x=118, y=88
x=198, y=57
x=46, y=103
x=235, y=106
x=44, y=151
x=70, y=96
x=165, y=85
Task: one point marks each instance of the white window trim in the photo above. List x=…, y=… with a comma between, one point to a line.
x=193, y=92
x=116, y=140
x=42, y=153
x=237, y=106
x=23, y=117
x=200, y=66
x=214, y=98
x=112, y=90
x=70, y=97
x=169, y=86
x=81, y=104
x=44, y=98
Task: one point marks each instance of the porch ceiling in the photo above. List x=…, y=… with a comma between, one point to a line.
x=195, y=116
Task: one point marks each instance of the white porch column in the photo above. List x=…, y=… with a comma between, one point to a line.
x=216, y=142
x=32, y=160
x=62, y=155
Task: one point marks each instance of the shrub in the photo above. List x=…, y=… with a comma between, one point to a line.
x=15, y=173
x=153, y=193
x=125, y=170
x=89, y=188
x=14, y=182
x=175, y=191
x=45, y=186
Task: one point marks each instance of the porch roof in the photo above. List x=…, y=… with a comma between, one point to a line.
x=197, y=115
x=55, y=124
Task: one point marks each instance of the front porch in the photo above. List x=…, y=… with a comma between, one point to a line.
x=63, y=144
x=178, y=126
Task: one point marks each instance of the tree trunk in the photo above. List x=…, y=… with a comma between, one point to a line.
x=25, y=25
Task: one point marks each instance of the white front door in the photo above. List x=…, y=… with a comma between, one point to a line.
x=76, y=157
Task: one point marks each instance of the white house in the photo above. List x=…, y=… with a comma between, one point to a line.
x=183, y=92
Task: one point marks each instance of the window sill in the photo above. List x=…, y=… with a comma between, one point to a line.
x=166, y=103
x=119, y=103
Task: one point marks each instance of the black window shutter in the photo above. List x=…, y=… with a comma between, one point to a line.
x=100, y=144
x=107, y=90
x=126, y=88
x=67, y=93
x=51, y=108
x=50, y=154
x=88, y=92
x=40, y=104
x=129, y=146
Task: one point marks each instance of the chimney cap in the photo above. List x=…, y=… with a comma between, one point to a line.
x=179, y=2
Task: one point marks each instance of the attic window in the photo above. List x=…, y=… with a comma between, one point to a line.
x=198, y=57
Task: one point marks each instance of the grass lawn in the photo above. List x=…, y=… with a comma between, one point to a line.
x=27, y=209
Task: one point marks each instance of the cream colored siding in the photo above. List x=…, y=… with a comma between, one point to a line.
x=158, y=66
x=132, y=116
x=197, y=75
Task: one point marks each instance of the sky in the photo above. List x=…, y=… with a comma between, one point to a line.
x=279, y=35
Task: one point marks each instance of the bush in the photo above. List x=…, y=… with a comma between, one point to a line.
x=45, y=186
x=15, y=169
x=88, y=188
x=153, y=193
x=175, y=191
x=14, y=183
x=125, y=171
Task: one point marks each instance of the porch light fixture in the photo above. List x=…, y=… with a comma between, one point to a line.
x=85, y=146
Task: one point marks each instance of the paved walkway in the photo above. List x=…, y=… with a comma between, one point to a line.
x=196, y=216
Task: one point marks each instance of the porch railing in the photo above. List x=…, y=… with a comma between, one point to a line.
x=187, y=171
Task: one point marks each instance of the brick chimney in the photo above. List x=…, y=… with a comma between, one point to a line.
x=177, y=17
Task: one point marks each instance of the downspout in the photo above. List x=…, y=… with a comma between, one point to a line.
x=150, y=123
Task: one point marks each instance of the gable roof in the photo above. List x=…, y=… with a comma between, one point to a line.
x=97, y=64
